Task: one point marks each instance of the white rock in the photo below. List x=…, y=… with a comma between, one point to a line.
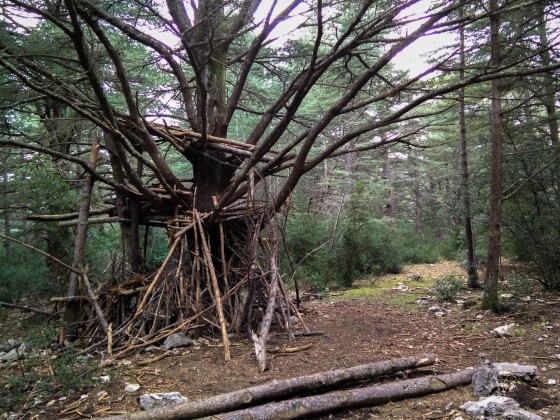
x=177, y=340
x=497, y=407
x=51, y=403
x=476, y=408
x=551, y=382
x=526, y=372
x=158, y=400
x=505, y=330
x=434, y=308
x=132, y=387
x=104, y=379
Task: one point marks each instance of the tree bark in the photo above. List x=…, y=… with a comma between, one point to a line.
x=490, y=297
x=352, y=398
x=72, y=307
x=277, y=389
x=472, y=276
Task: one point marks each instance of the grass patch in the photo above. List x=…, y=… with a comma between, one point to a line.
x=381, y=289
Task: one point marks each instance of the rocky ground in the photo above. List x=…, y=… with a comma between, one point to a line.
x=382, y=318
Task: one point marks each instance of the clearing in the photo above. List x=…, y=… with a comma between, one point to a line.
x=380, y=319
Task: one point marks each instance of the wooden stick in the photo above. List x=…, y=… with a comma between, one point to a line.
x=216, y=288
x=26, y=308
x=157, y=276
x=95, y=304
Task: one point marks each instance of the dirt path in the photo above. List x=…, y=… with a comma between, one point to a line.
x=358, y=328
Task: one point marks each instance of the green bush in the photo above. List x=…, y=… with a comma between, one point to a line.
x=45, y=373
x=23, y=273
x=448, y=287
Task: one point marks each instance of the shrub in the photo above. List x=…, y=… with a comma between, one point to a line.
x=23, y=273
x=448, y=287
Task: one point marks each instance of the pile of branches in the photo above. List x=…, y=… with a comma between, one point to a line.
x=217, y=278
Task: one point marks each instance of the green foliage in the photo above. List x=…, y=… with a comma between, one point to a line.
x=520, y=284
x=23, y=273
x=448, y=287
x=45, y=373
x=533, y=227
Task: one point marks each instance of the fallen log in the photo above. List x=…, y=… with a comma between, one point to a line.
x=352, y=398
x=26, y=308
x=278, y=389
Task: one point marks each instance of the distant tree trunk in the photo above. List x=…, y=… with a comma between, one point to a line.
x=389, y=210
x=472, y=276
x=490, y=297
x=5, y=203
x=416, y=187
x=548, y=98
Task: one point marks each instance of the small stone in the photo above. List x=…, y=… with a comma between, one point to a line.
x=102, y=394
x=104, y=379
x=477, y=408
x=525, y=372
x=434, y=308
x=551, y=382
x=83, y=396
x=540, y=339
x=505, y=330
x=506, y=296
x=51, y=403
x=158, y=400
x=177, y=340
x=485, y=377
x=132, y=387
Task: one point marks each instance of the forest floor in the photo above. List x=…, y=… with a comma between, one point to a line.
x=378, y=319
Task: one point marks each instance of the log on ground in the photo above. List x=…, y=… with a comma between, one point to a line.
x=281, y=389
x=352, y=398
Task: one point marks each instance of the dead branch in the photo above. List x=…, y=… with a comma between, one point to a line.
x=278, y=389
x=26, y=308
x=353, y=398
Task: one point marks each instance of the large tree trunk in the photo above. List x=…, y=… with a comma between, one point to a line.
x=72, y=307
x=490, y=297
x=125, y=210
x=286, y=388
x=472, y=276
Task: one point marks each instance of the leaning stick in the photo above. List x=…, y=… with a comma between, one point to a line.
x=217, y=294
x=157, y=276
